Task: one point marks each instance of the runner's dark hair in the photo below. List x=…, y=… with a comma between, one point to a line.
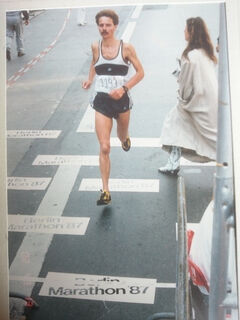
x=107, y=13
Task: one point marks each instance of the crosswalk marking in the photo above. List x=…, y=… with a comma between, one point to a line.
x=66, y=160
x=185, y=162
x=121, y=185
x=33, y=134
x=31, y=254
x=87, y=122
x=138, y=142
x=137, y=12
x=47, y=224
x=27, y=183
x=99, y=287
x=128, y=31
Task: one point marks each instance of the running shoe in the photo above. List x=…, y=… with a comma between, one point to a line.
x=105, y=198
x=126, y=145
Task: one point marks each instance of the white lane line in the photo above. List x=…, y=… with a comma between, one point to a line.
x=97, y=287
x=185, y=162
x=138, y=142
x=162, y=285
x=31, y=254
x=87, y=123
x=62, y=160
x=27, y=183
x=165, y=285
x=128, y=31
x=27, y=279
x=33, y=134
x=137, y=12
x=47, y=224
x=121, y=185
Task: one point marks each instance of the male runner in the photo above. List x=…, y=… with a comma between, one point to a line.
x=110, y=64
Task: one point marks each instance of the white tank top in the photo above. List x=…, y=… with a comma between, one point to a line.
x=110, y=73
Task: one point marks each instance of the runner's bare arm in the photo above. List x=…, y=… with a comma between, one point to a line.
x=129, y=54
x=86, y=84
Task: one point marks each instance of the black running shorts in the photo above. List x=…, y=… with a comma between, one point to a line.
x=110, y=107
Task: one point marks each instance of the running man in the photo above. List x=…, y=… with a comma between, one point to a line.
x=110, y=64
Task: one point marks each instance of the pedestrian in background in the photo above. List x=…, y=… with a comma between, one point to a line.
x=15, y=26
x=81, y=16
x=110, y=64
x=190, y=128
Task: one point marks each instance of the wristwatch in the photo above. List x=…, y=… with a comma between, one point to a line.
x=125, y=88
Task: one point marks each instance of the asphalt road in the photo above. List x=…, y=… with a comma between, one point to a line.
x=77, y=260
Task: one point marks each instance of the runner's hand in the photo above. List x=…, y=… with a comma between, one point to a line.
x=117, y=93
x=86, y=84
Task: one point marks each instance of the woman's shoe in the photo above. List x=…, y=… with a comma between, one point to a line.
x=169, y=169
x=173, y=164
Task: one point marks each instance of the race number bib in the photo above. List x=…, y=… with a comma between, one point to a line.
x=107, y=83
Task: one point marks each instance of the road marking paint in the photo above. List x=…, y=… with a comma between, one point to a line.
x=31, y=254
x=162, y=285
x=128, y=31
x=165, y=285
x=185, y=162
x=191, y=171
x=47, y=224
x=121, y=185
x=26, y=279
x=138, y=142
x=33, y=134
x=87, y=123
x=137, y=12
x=27, y=183
x=98, y=287
x=62, y=160
x=30, y=64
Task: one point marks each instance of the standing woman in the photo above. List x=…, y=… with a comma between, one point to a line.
x=190, y=128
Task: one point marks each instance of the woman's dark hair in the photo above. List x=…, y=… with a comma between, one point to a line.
x=199, y=38
x=107, y=13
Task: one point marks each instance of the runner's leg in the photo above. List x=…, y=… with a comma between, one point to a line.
x=122, y=125
x=103, y=127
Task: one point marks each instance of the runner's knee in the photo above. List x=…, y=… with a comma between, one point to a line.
x=105, y=148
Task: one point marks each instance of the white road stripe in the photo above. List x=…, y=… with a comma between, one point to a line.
x=31, y=254
x=165, y=285
x=33, y=134
x=185, y=162
x=121, y=185
x=128, y=31
x=26, y=279
x=62, y=160
x=48, y=224
x=138, y=142
x=27, y=183
x=162, y=285
x=87, y=123
x=137, y=12
x=98, y=287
